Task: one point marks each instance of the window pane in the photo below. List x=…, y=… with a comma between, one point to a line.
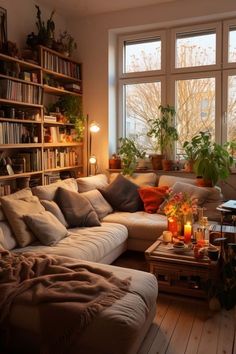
x=231, y=121
x=142, y=56
x=141, y=105
x=232, y=45
x=195, y=49
x=195, y=107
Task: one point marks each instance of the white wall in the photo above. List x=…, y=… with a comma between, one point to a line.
x=93, y=33
x=21, y=18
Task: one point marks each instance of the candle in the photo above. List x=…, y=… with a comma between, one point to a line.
x=187, y=232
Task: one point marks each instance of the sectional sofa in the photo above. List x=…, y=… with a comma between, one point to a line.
x=122, y=327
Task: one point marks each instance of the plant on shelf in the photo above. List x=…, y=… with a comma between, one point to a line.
x=66, y=43
x=45, y=34
x=190, y=155
x=71, y=107
x=129, y=152
x=212, y=161
x=163, y=130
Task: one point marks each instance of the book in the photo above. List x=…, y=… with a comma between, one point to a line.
x=230, y=204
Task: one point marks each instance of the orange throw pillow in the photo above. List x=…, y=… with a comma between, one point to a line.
x=152, y=197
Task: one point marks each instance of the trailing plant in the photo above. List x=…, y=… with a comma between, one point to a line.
x=67, y=43
x=212, y=161
x=71, y=107
x=163, y=130
x=129, y=152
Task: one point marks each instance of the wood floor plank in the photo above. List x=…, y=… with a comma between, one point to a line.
x=166, y=330
x=162, y=308
x=227, y=332
x=196, y=333
x=179, y=339
x=210, y=334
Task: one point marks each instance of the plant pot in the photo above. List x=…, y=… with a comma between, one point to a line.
x=201, y=182
x=115, y=164
x=167, y=165
x=188, y=166
x=156, y=161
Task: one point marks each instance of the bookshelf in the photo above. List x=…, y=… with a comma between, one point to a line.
x=34, y=148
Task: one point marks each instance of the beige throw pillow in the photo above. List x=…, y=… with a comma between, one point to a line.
x=46, y=227
x=48, y=192
x=98, y=202
x=141, y=179
x=51, y=206
x=14, y=209
x=86, y=184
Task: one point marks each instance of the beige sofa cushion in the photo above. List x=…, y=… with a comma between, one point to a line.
x=140, y=225
x=86, y=184
x=48, y=192
x=141, y=179
x=14, y=209
x=169, y=181
x=7, y=239
x=51, y=206
x=199, y=193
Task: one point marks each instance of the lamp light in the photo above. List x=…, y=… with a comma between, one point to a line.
x=92, y=128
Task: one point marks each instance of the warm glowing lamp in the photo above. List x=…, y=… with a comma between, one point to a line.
x=187, y=232
x=92, y=128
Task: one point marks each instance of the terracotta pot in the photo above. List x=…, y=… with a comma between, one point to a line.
x=188, y=166
x=167, y=165
x=115, y=164
x=200, y=182
x=156, y=161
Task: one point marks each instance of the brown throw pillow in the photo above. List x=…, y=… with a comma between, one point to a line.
x=76, y=209
x=123, y=195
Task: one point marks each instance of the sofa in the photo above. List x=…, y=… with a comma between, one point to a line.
x=124, y=325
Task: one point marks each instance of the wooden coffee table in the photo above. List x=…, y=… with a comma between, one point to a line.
x=180, y=273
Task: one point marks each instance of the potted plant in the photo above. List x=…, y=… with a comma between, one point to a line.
x=163, y=130
x=190, y=155
x=212, y=162
x=71, y=107
x=129, y=153
x=66, y=44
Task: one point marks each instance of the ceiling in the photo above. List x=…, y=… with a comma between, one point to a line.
x=81, y=8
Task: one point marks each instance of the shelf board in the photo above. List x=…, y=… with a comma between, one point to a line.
x=19, y=175
x=23, y=63
x=49, y=145
x=20, y=80
x=60, y=92
x=12, y=102
x=20, y=146
x=62, y=168
x=18, y=120
x=58, y=123
x=61, y=76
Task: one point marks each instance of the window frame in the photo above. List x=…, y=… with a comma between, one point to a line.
x=226, y=74
x=226, y=26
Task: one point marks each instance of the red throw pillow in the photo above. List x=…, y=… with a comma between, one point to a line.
x=152, y=197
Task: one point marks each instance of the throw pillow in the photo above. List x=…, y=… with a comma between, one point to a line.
x=51, y=206
x=46, y=227
x=14, y=209
x=86, y=184
x=98, y=202
x=123, y=195
x=7, y=239
x=166, y=180
x=76, y=209
x=152, y=197
x=48, y=192
x=195, y=192
x=141, y=179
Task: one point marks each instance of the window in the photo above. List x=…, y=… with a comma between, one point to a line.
x=190, y=79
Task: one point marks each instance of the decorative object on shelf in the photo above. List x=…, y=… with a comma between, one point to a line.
x=129, y=152
x=45, y=34
x=179, y=209
x=163, y=130
x=3, y=29
x=92, y=128
x=65, y=44
x=212, y=161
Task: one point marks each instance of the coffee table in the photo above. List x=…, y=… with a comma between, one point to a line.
x=180, y=273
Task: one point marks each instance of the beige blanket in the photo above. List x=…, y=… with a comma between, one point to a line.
x=68, y=297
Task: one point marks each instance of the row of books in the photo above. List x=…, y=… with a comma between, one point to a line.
x=27, y=161
x=12, y=133
x=5, y=189
x=54, y=63
x=17, y=91
x=51, y=178
x=60, y=135
x=59, y=158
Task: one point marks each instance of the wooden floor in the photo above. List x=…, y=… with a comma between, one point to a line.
x=184, y=325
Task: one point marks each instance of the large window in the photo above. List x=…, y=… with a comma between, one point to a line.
x=181, y=67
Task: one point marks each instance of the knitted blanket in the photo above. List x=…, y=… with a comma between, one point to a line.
x=68, y=296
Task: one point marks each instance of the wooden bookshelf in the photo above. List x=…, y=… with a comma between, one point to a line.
x=32, y=118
